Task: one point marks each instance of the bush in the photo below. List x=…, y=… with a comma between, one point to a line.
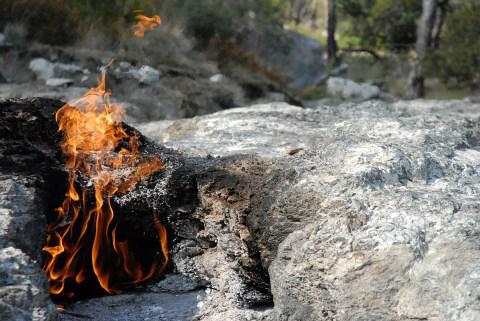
x=60, y=22
x=383, y=24
x=49, y=21
x=458, y=56
x=210, y=18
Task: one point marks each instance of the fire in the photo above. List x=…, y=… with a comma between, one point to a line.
x=84, y=241
x=145, y=23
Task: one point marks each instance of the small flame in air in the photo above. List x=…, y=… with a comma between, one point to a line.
x=84, y=241
x=145, y=23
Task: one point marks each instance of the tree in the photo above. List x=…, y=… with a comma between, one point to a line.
x=331, y=26
x=424, y=41
x=442, y=9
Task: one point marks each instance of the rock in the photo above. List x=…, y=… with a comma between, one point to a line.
x=348, y=89
x=361, y=211
x=375, y=219
x=45, y=70
x=146, y=75
x=286, y=56
x=59, y=82
x=42, y=68
x=23, y=294
x=138, y=306
x=2, y=40
x=29, y=143
x=217, y=78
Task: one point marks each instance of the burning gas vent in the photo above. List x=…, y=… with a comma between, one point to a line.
x=86, y=242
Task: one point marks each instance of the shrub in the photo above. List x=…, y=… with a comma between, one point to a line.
x=384, y=24
x=61, y=21
x=49, y=21
x=458, y=56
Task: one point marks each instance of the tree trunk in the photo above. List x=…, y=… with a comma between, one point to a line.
x=314, y=15
x=439, y=22
x=331, y=25
x=424, y=39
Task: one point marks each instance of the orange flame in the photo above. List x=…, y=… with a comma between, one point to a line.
x=92, y=138
x=145, y=23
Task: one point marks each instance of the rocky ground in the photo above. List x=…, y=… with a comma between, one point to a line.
x=363, y=211
x=165, y=75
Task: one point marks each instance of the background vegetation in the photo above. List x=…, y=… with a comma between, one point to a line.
x=385, y=27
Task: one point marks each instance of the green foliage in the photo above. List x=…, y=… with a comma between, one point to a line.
x=384, y=24
x=61, y=21
x=49, y=21
x=459, y=54
x=209, y=18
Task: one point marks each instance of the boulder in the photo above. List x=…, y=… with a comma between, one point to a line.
x=59, y=82
x=146, y=75
x=286, y=56
x=349, y=89
x=42, y=68
x=198, y=245
x=360, y=211
x=45, y=70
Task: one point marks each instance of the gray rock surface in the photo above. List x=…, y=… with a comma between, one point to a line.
x=146, y=75
x=59, y=82
x=53, y=72
x=349, y=89
x=293, y=59
x=137, y=306
x=361, y=212
x=23, y=286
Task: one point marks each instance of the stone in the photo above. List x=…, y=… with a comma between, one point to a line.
x=59, y=82
x=30, y=147
x=42, y=68
x=217, y=78
x=286, y=56
x=375, y=219
x=348, y=89
x=146, y=75
x=360, y=211
x=45, y=70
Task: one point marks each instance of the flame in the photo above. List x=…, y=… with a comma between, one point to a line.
x=145, y=23
x=84, y=240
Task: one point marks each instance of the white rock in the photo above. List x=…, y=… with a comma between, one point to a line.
x=59, y=82
x=217, y=78
x=42, y=68
x=125, y=65
x=61, y=67
x=146, y=75
x=349, y=89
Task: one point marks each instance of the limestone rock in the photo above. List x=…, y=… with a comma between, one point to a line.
x=375, y=215
x=42, y=68
x=287, y=56
x=362, y=211
x=52, y=72
x=146, y=75
x=59, y=82
x=348, y=89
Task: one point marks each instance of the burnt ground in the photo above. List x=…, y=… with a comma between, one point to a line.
x=203, y=207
